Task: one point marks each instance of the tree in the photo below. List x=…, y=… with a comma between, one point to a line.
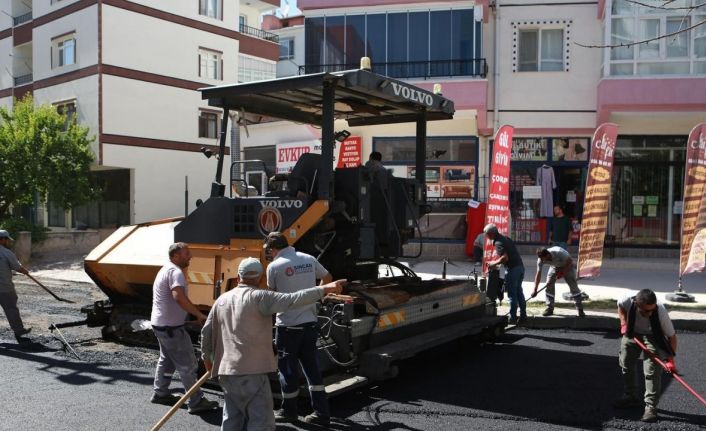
x=43, y=153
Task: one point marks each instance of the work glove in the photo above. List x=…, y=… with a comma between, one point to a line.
x=559, y=275
x=671, y=366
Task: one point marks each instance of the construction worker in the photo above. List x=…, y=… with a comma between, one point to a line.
x=511, y=259
x=643, y=318
x=560, y=265
x=377, y=170
x=236, y=343
x=8, y=295
x=297, y=330
x=170, y=306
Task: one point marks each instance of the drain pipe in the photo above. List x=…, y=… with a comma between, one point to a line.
x=496, y=68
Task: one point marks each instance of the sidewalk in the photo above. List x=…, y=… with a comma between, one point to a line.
x=619, y=278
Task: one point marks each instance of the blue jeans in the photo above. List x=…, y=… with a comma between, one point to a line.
x=297, y=345
x=561, y=244
x=513, y=287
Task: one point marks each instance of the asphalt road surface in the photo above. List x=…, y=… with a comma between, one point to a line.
x=528, y=380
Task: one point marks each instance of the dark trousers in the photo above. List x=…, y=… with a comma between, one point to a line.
x=8, y=302
x=296, y=345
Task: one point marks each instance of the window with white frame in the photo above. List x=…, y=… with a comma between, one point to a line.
x=210, y=64
x=657, y=40
x=540, y=49
x=63, y=52
x=208, y=124
x=286, y=49
x=211, y=8
x=251, y=69
x=67, y=109
x=541, y=45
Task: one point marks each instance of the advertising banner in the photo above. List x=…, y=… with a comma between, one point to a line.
x=498, y=211
x=693, y=222
x=347, y=154
x=597, y=200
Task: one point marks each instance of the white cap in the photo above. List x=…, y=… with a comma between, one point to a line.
x=250, y=268
x=5, y=234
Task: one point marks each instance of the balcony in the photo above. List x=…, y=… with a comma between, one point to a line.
x=260, y=34
x=22, y=18
x=23, y=80
x=477, y=67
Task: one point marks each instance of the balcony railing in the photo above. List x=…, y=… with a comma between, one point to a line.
x=260, y=34
x=411, y=69
x=22, y=18
x=22, y=80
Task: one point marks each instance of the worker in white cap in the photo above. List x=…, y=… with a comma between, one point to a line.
x=236, y=344
x=8, y=295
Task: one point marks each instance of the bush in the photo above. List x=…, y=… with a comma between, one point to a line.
x=15, y=225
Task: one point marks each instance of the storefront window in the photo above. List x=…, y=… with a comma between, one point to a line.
x=451, y=176
x=545, y=172
x=648, y=182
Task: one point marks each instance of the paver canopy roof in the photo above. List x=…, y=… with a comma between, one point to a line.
x=361, y=98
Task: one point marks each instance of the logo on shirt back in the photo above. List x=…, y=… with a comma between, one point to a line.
x=299, y=269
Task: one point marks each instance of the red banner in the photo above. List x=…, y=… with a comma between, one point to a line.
x=597, y=200
x=693, y=221
x=498, y=210
x=349, y=155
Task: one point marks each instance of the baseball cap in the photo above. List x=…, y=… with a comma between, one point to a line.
x=250, y=268
x=5, y=234
x=276, y=240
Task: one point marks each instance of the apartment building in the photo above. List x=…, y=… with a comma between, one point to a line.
x=540, y=67
x=129, y=70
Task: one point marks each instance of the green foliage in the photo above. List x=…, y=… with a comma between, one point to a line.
x=15, y=225
x=40, y=152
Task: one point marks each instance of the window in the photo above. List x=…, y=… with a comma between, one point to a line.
x=242, y=21
x=286, y=49
x=405, y=44
x=252, y=69
x=63, y=51
x=210, y=64
x=208, y=124
x=541, y=50
x=681, y=53
x=211, y=8
x=68, y=110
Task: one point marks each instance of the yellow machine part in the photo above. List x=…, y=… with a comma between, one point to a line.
x=125, y=265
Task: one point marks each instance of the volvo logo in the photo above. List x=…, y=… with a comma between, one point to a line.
x=281, y=203
x=412, y=94
x=269, y=220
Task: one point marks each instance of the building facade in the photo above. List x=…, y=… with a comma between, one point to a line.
x=129, y=70
x=554, y=70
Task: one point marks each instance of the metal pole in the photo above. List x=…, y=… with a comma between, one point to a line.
x=327, y=140
x=421, y=157
x=217, y=188
x=186, y=195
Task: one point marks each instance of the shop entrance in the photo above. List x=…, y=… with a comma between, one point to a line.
x=570, y=185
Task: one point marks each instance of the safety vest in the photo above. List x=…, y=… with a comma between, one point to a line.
x=657, y=333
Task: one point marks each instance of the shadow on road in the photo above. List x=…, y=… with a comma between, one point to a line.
x=525, y=377
x=71, y=372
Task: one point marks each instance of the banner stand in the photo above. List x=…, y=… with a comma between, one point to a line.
x=679, y=295
x=692, y=256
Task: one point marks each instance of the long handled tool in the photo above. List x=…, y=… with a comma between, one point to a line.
x=537, y=292
x=49, y=291
x=667, y=369
x=181, y=401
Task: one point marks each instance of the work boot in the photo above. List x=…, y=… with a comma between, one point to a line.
x=317, y=419
x=548, y=311
x=203, y=406
x=626, y=402
x=165, y=400
x=580, y=312
x=522, y=320
x=281, y=416
x=512, y=320
x=650, y=414
x=22, y=332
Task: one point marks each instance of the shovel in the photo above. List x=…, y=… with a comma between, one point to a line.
x=179, y=403
x=49, y=291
